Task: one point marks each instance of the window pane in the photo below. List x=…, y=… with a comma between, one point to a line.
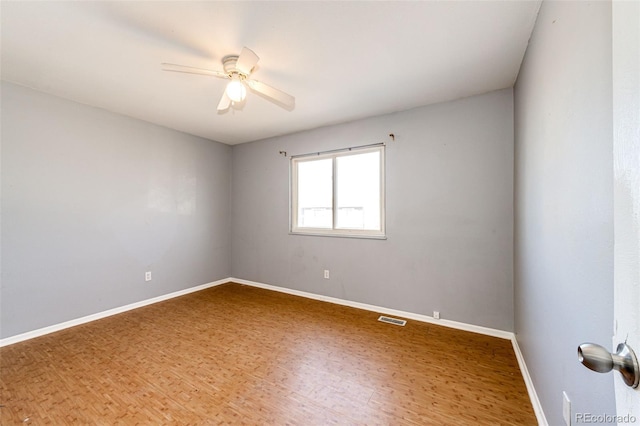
x=358, y=191
x=315, y=193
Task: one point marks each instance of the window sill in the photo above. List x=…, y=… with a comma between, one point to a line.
x=338, y=235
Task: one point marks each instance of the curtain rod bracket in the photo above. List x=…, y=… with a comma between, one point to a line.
x=283, y=153
x=392, y=136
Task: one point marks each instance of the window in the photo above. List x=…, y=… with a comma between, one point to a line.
x=339, y=193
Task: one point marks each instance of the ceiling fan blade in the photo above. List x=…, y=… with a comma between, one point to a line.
x=281, y=98
x=224, y=103
x=192, y=70
x=246, y=61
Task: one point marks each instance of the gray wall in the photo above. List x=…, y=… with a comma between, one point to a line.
x=564, y=201
x=449, y=214
x=91, y=200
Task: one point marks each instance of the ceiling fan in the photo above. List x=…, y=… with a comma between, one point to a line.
x=238, y=69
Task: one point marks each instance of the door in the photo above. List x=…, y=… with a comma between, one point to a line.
x=626, y=208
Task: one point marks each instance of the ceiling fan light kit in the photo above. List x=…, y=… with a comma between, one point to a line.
x=235, y=90
x=238, y=69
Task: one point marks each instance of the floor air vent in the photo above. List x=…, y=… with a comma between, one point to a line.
x=390, y=320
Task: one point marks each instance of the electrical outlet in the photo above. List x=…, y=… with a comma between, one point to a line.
x=436, y=315
x=147, y=276
x=326, y=274
x=566, y=408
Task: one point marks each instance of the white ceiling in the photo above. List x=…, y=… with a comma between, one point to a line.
x=341, y=60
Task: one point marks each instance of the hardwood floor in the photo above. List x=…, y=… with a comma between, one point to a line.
x=235, y=354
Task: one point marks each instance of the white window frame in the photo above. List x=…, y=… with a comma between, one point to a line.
x=335, y=232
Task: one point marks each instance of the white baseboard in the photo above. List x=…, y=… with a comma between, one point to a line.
x=83, y=320
x=533, y=396
x=418, y=317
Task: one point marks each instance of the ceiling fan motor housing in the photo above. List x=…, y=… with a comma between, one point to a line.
x=229, y=64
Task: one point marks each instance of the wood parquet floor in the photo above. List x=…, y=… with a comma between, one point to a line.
x=235, y=354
